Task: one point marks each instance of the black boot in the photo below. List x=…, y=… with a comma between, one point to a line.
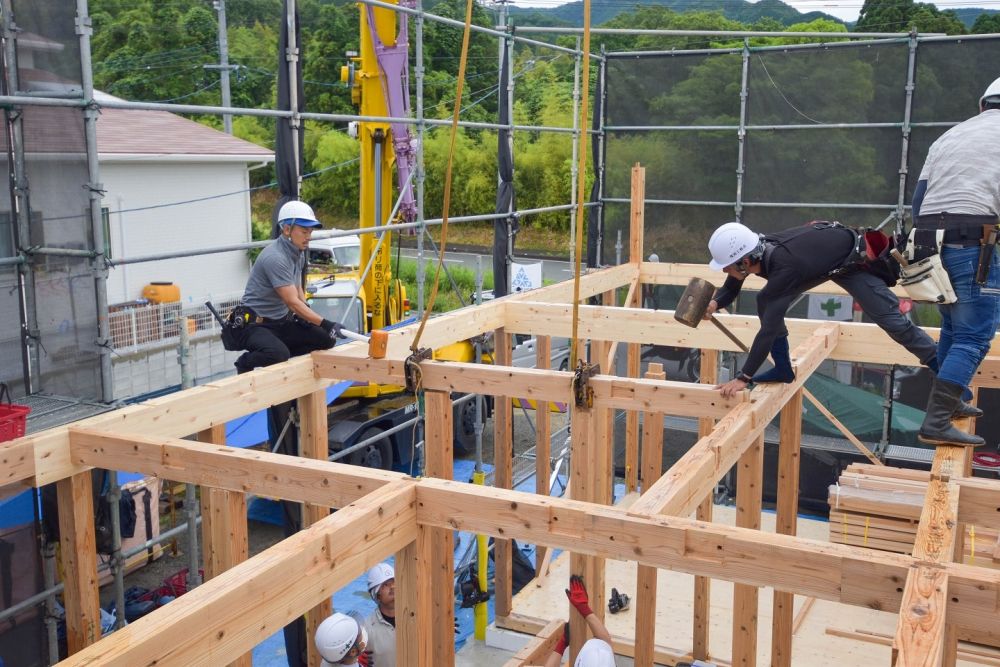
x=782, y=371
x=964, y=409
x=937, y=428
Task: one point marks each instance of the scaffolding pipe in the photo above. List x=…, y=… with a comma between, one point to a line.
x=418, y=31
x=741, y=133
x=95, y=188
x=553, y=30
x=117, y=563
x=911, y=66
x=759, y=204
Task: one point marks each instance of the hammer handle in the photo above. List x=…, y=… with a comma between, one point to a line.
x=724, y=329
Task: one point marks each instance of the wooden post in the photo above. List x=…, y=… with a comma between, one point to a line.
x=543, y=437
x=785, y=523
x=314, y=443
x=224, y=532
x=709, y=374
x=590, y=481
x=646, y=576
x=637, y=214
x=652, y=436
x=748, y=505
x=503, y=476
x=412, y=627
x=78, y=551
x=439, y=569
x=632, y=364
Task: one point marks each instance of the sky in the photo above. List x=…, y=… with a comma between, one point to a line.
x=846, y=10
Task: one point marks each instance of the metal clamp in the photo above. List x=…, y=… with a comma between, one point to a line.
x=583, y=393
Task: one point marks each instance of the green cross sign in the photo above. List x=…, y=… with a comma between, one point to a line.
x=831, y=306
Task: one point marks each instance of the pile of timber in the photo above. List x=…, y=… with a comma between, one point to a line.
x=879, y=507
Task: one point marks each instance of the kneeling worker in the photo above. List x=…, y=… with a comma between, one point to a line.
x=277, y=323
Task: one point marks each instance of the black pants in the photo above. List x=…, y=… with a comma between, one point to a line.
x=274, y=342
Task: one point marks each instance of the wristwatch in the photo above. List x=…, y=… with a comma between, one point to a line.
x=743, y=377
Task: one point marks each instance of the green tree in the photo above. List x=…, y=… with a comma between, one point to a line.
x=985, y=24
x=904, y=15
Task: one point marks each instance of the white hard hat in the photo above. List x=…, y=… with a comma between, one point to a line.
x=729, y=243
x=992, y=91
x=378, y=575
x=298, y=213
x=595, y=653
x=336, y=635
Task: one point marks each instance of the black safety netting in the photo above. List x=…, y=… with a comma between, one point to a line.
x=57, y=298
x=817, y=169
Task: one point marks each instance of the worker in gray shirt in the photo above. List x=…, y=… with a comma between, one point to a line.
x=274, y=321
x=958, y=194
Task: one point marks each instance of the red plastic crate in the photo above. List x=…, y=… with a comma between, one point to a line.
x=13, y=417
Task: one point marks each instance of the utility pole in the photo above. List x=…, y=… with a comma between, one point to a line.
x=227, y=119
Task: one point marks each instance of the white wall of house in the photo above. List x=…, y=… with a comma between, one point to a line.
x=153, y=181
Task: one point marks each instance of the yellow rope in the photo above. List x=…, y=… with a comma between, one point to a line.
x=447, y=175
x=581, y=178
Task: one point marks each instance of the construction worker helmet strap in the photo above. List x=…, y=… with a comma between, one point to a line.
x=595, y=653
x=337, y=635
x=378, y=575
x=992, y=94
x=298, y=213
x=730, y=243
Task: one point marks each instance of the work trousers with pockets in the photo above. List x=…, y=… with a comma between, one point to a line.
x=881, y=305
x=276, y=341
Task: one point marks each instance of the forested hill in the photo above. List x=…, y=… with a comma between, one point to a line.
x=602, y=11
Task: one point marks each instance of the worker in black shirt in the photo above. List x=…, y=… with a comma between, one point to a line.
x=793, y=261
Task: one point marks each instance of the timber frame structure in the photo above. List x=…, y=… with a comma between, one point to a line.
x=383, y=513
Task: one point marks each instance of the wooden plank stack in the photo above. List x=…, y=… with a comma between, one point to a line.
x=879, y=507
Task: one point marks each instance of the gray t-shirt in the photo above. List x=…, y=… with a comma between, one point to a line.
x=278, y=265
x=962, y=169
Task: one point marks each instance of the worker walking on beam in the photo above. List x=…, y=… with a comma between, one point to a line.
x=955, y=208
x=794, y=261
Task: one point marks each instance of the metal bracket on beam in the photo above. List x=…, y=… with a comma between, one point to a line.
x=583, y=393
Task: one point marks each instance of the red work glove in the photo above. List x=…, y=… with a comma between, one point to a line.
x=577, y=595
x=364, y=659
x=563, y=642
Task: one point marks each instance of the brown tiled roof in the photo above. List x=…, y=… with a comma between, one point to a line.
x=121, y=131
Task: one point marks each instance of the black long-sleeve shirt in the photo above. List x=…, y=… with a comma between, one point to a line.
x=795, y=260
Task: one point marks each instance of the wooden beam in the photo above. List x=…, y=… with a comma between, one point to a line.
x=78, y=551
x=637, y=214
x=227, y=616
x=749, y=487
x=503, y=476
x=314, y=443
x=17, y=461
x=247, y=471
x=786, y=520
x=850, y=575
x=676, y=398
x=856, y=341
x=682, y=488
